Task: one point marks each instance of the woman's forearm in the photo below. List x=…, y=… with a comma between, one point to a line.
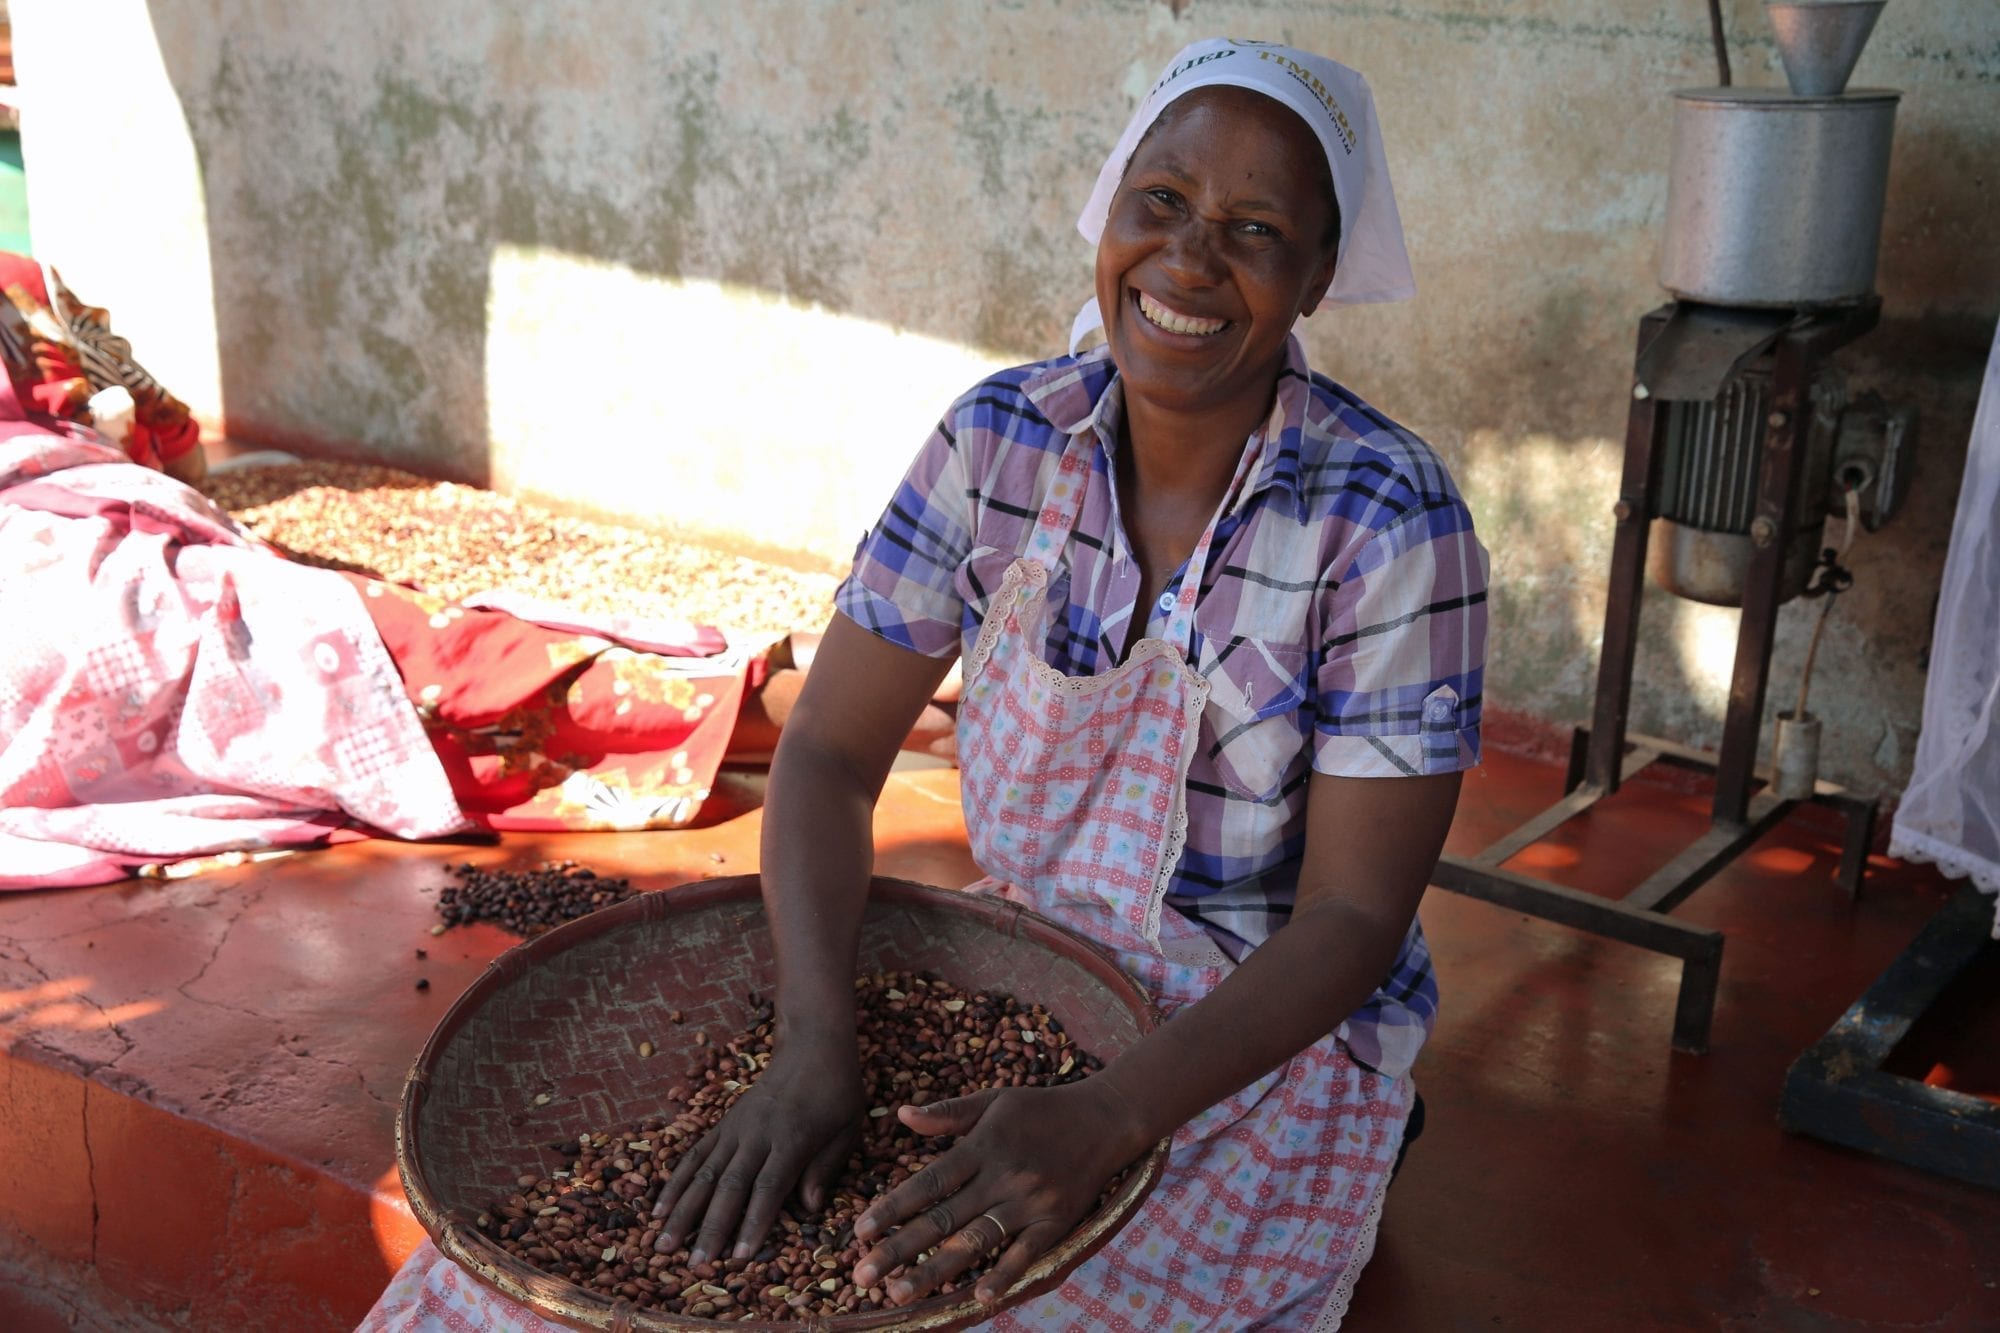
x=1291, y=991
x=818, y=855
x=857, y=703
x=798, y=1122
x=1358, y=893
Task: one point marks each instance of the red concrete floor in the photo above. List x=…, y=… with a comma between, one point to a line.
x=196, y=1095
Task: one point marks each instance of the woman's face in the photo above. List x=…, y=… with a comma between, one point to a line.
x=1217, y=241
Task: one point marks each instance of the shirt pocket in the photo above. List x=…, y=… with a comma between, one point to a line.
x=1253, y=729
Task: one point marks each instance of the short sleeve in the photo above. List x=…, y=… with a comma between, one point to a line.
x=902, y=585
x=1401, y=664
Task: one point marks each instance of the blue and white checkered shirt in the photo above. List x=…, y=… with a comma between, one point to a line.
x=1341, y=625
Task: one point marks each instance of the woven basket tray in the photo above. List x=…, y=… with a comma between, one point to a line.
x=563, y=1015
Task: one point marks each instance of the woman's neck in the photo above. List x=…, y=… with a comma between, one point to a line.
x=1188, y=457
x=1176, y=468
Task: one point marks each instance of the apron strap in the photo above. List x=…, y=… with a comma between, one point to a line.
x=1063, y=503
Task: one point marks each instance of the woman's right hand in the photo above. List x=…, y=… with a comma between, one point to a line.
x=801, y=1119
x=796, y=1126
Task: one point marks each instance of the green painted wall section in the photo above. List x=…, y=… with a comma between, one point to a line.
x=13, y=197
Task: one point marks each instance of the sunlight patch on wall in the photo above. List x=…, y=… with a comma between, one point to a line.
x=1706, y=639
x=723, y=409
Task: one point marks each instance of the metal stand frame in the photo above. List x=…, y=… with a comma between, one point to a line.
x=1603, y=755
x=1838, y=1092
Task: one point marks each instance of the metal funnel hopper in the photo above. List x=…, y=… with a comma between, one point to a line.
x=1819, y=41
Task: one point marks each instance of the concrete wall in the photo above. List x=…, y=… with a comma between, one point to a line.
x=720, y=265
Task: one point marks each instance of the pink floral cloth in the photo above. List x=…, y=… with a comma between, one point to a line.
x=169, y=687
x=431, y=1294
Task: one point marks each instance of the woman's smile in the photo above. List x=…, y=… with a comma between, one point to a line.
x=1166, y=318
x=1217, y=241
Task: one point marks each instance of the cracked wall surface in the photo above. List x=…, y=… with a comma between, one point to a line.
x=718, y=267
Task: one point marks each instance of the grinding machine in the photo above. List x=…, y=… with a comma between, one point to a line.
x=1741, y=441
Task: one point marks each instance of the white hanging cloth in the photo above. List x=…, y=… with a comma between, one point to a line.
x=1951, y=813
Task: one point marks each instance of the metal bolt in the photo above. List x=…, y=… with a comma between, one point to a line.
x=1622, y=511
x=1762, y=531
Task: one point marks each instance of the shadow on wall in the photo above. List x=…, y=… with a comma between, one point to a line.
x=366, y=174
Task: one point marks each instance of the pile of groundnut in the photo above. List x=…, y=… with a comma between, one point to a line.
x=921, y=1040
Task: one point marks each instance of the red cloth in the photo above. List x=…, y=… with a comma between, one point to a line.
x=559, y=728
x=170, y=689
x=50, y=372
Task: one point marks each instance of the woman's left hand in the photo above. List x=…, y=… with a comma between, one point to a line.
x=1028, y=1164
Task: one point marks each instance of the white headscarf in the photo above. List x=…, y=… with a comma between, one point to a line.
x=1371, y=264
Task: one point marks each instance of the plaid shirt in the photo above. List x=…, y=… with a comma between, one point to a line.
x=1341, y=625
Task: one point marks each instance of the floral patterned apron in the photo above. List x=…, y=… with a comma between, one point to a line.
x=1075, y=801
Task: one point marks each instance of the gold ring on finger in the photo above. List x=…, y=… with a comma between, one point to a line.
x=1001, y=1244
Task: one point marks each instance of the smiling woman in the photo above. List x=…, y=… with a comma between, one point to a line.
x=1202, y=272
x=1223, y=629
